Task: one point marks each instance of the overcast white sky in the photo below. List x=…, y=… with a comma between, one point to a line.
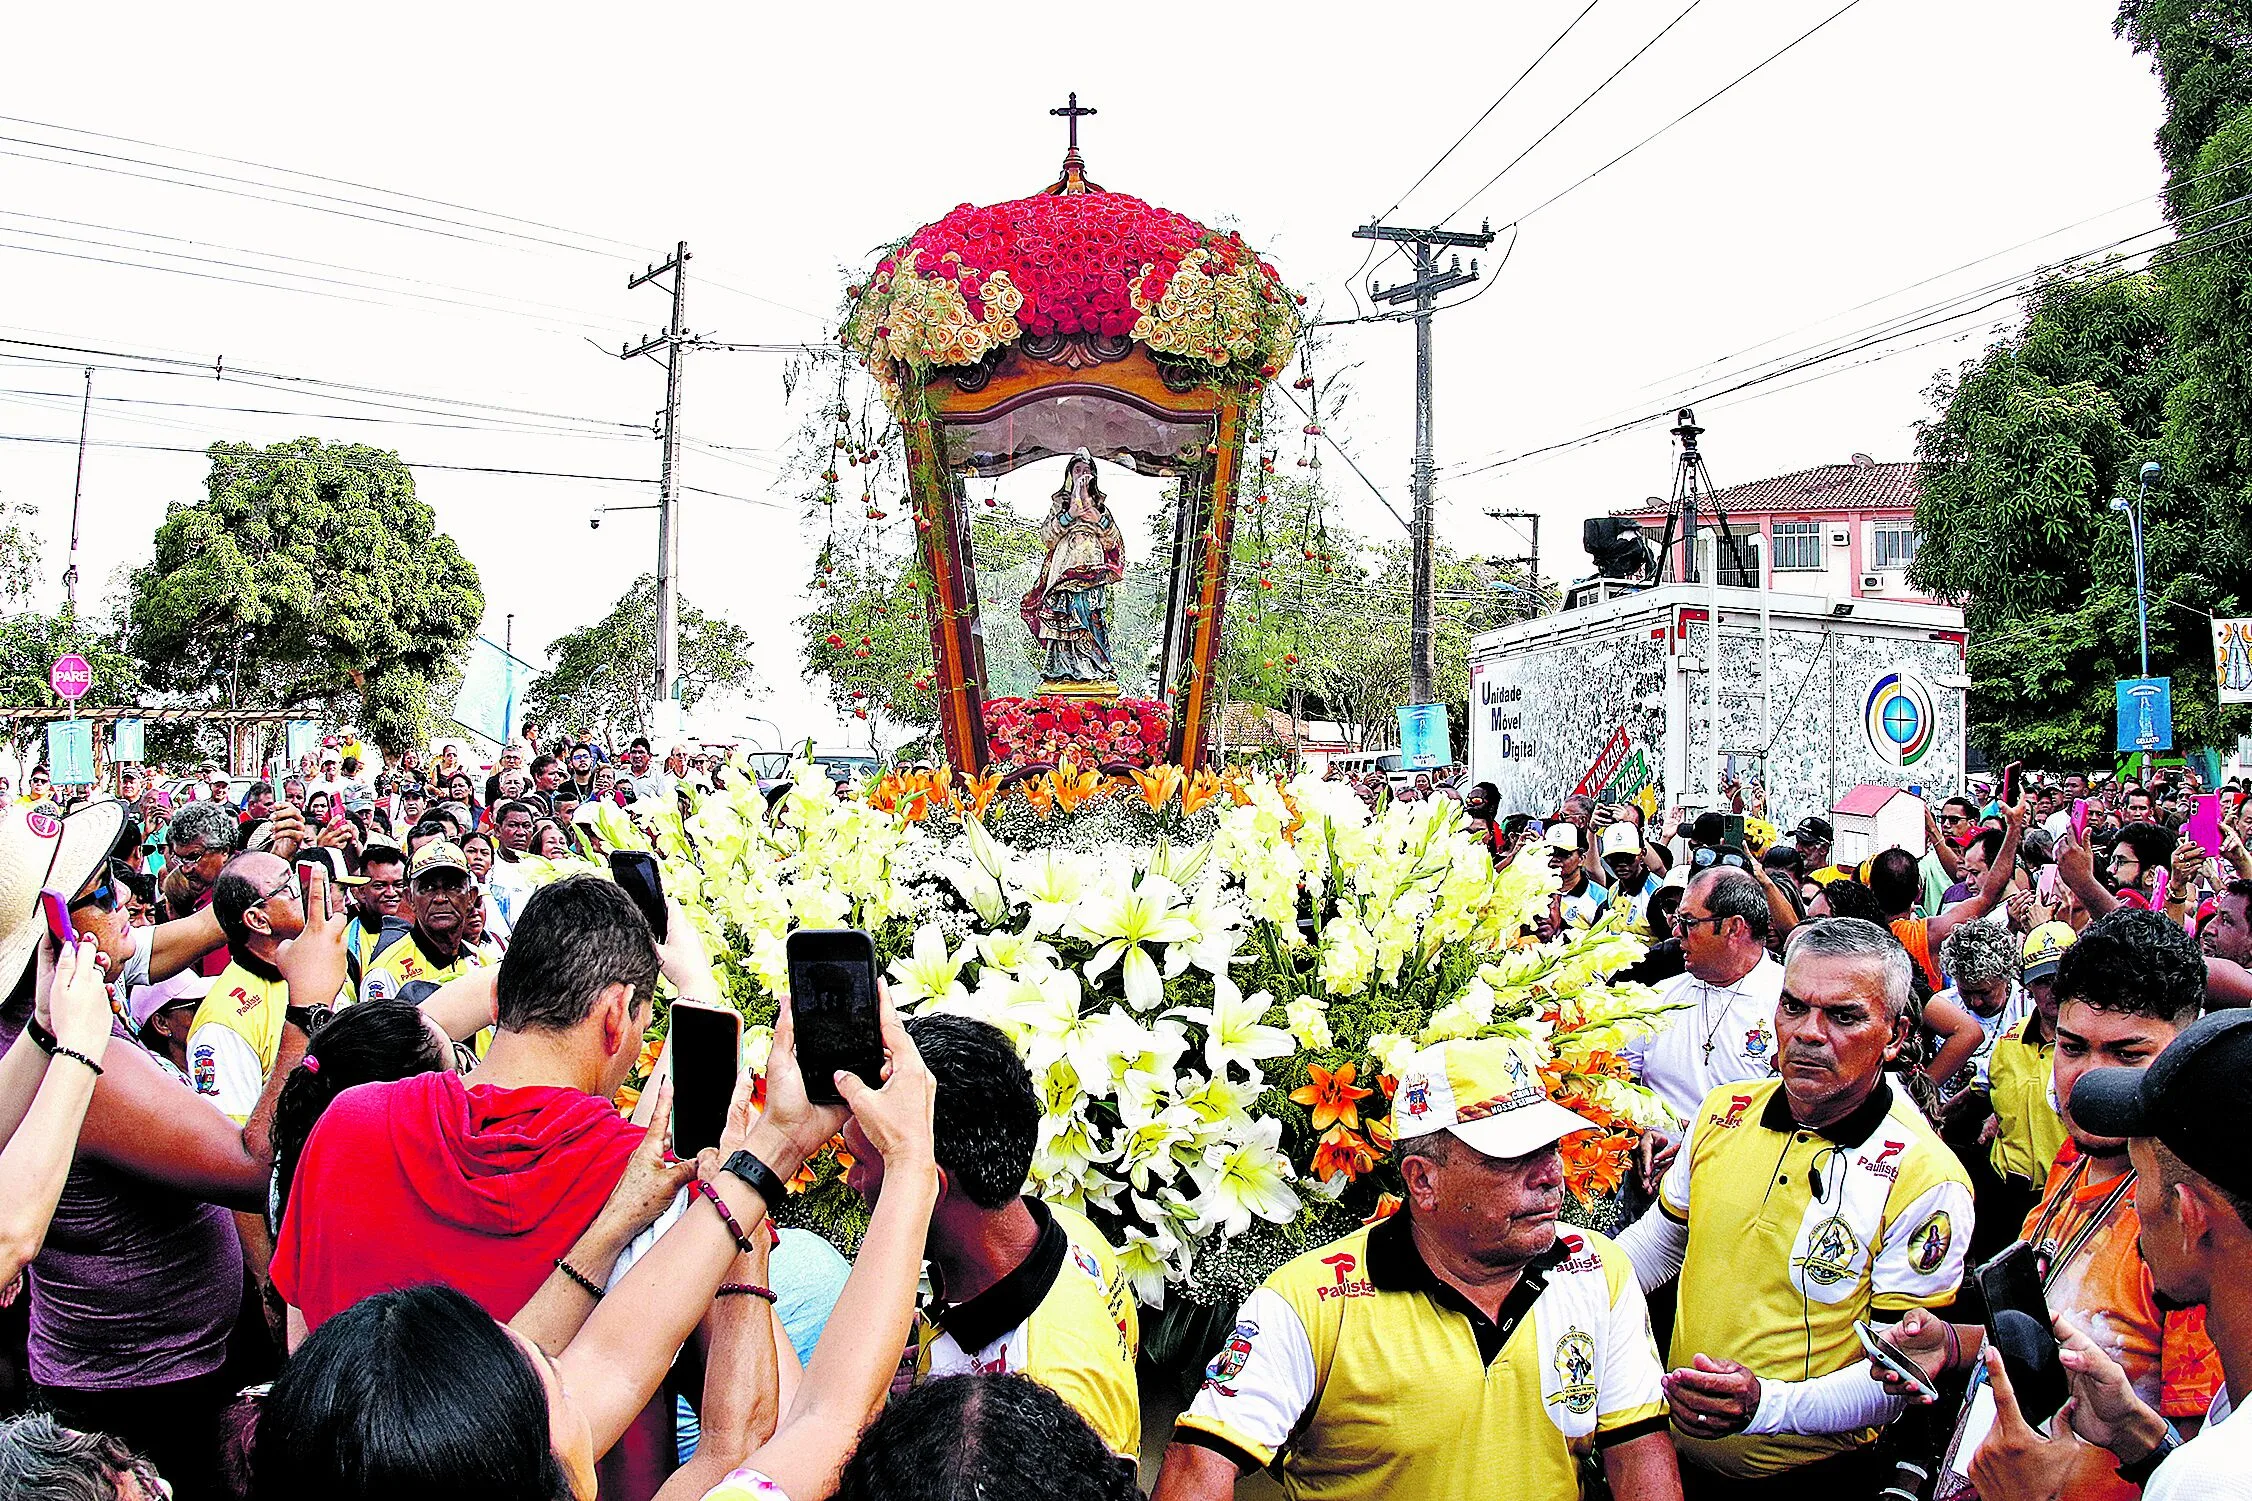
x=1906, y=139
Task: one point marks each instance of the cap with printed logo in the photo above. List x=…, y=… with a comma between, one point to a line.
x=1620, y=839
x=2194, y=1097
x=2044, y=949
x=1487, y=1092
x=1563, y=836
x=438, y=854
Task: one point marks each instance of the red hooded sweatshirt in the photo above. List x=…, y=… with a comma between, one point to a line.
x=423, y=1180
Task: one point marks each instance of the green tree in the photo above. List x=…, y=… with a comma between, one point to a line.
x=605, y=675
x=308, y=577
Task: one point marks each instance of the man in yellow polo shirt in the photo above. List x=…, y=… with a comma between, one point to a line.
x=1016, y=1285
x=427, y=943
x=1459, y=1350
x=237, y=1030
x=1797, y=1207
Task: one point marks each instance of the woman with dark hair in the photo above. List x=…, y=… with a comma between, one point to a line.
x=420, y=1393
x=370, y=1043
x=316, y=809
x=548, y=841
x=462, y=788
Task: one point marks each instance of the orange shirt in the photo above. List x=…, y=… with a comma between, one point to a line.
x=1914, y=934
x=2107, y=1291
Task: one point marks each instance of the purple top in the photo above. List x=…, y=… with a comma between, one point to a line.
x=137, y=1284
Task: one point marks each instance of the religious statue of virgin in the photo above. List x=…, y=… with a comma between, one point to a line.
x=1068, y=607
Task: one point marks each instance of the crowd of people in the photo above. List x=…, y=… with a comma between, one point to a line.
x=316, y=1180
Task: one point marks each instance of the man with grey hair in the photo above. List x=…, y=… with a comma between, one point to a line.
x=1797, y=1207
x=1724, y=1029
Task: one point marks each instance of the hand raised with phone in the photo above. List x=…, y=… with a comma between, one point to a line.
x=804, y=1124
x=896, y=1119
x=79, y=1001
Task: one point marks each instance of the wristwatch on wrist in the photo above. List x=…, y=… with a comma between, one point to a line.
x=303, y=1018
x=2140, y=1471
x=763, y=1180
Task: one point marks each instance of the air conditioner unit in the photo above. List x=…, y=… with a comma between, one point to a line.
x=1872, y=581
x=1839, y=536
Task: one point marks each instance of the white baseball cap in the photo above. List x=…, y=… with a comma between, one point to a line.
x=1487, y=1091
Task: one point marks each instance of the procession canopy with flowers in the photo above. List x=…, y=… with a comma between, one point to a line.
x=1074, y=319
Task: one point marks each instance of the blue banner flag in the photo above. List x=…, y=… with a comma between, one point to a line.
x=2146, y=714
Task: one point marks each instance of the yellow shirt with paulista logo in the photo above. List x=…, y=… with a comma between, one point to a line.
x=1066, y=1318
x=399, y=968
x=237, y=1035
x=1796, y=1233
x=1371, y=1378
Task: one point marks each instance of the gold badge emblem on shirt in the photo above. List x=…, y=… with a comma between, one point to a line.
x=1830, y=1252
x=1575, y=1370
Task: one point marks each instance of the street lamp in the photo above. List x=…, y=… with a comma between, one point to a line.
x=2134, y=510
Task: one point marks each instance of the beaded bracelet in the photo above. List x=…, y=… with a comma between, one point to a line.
x=59, y=1051
x=745, y=1289
x=726, y=1215
x=588, y=1284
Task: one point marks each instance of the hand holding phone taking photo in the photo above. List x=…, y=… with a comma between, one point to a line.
x=833, y=1006
x=707, y=1057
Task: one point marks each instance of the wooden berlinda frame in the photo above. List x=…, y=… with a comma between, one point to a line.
x=1040, y=398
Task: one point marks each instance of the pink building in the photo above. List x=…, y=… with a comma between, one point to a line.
x=1847, y=531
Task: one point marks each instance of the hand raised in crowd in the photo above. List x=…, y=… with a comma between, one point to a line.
x=78, y=1002
x=1712, y=1398
x=896, y=1119
x=681, y=956
x=338, y=836
x=651, y=1180
x=2019, y=905
x=2075, y=863
x=802, y=1125
x=2188, y=866
x=286, y=830
x=314, y=961
x=2233, y=850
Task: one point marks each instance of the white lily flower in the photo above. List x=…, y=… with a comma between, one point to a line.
x=930, y=973
x=1233, y=1030
x=1219, y=934
x=1245, y=1179
x=1145, y=1260
x=1053, y=883
x=1122, y=919
x=1012, y=950
x=1145, y=1143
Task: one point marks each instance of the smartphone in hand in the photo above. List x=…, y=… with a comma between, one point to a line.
x=707, y=1056
x=58, y=916
x=833, y=1009
x=638, y=872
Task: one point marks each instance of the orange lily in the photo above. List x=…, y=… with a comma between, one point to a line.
x=942, y=786
x=1074, y=786
x=1039, y=793
x=1158, y=784
x=981, y=790
x=1232, y=781
x=1387, y=1205
x=1332, y=1096
x=1201, y=789
x=1595, y=1162
x=1342, y=1151
x=1380, y=1131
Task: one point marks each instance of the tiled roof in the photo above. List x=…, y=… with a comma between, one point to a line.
x=1832, y=487
x=1868, y=798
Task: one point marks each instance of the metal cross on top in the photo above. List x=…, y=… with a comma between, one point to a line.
x=1071, y=112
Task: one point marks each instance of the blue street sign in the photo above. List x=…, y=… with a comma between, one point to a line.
x=126, y=742
x=70, y=752
x=1424, y=741
x=2146, y=714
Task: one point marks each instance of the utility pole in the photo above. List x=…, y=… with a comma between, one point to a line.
x=1531, y=596
x=1423, y=291
x=674, y=341
x=77, y=487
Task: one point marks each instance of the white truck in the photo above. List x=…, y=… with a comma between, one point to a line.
x=1816, y=696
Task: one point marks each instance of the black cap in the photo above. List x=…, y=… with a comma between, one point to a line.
x=1710, y=828
x=2194, y=1097
x=1814, y=830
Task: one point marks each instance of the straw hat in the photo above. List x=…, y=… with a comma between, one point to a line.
x=38, y=850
